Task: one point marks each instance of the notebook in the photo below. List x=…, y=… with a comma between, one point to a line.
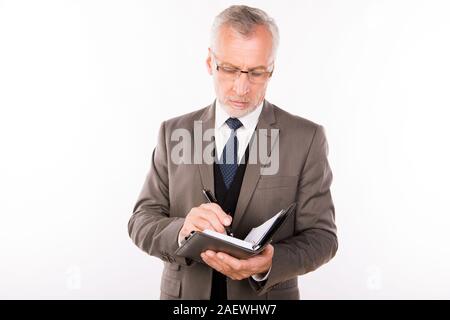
x=255, y=241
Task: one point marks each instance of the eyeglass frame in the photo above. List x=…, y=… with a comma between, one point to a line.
x=242, y=71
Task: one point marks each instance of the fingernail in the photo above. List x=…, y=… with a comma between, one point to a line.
x=210, y=253
x=221, y=257
x=227, y=221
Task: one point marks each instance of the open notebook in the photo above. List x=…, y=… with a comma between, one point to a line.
x=255, y=241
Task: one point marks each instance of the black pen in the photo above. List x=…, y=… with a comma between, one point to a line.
x=210, y=197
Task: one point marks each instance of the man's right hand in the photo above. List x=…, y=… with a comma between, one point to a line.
x=206, y=216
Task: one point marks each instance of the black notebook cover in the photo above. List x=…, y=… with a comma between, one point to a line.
x=199, y=242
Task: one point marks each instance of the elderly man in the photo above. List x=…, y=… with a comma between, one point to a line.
x=241, y=62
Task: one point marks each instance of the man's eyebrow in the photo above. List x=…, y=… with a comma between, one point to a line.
x=254, y=68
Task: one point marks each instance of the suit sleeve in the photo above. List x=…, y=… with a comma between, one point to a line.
x=315, y=241
x=150, y=227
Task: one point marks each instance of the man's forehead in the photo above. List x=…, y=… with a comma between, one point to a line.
x=250, y=51
x=244, y=63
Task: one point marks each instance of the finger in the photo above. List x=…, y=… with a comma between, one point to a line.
x=261, y=262
x=213, y=219
x=202, y=224
x=227, y=265
x=188, y=228
x=231, y=262
x=268, y=251
x=224, y=218
x=218, y=263
x=243, y=268
x=210, y=259
x=214, y=262
x=210, y=253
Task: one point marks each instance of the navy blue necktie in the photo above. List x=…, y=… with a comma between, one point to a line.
x=228, y=163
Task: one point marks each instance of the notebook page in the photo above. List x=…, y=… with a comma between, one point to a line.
x=227, y=238
x=257, y=233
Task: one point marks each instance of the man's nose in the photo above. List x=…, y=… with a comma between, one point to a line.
x=241, y=85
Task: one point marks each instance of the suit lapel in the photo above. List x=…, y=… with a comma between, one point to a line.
x=253, y=171
x=207, y=170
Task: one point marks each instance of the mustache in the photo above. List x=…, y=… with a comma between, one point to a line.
x=238, y=99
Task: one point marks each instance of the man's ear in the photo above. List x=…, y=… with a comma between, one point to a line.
x=209, y=62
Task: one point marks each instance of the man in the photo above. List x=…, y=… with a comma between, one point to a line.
x=241, y=61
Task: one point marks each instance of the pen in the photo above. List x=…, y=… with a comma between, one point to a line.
x=210, y=197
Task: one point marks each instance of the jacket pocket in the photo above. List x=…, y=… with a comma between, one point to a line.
x=269, y=182
x=286, y=290
x=284, y=294
x=170, y=287
x=291, y=283
x=172, y=266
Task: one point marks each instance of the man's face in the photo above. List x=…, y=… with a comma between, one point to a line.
x=238, y=95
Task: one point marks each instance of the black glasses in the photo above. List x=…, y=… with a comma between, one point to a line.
x=256, y=76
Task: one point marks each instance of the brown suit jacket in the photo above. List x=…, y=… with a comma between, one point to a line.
x=304, y=243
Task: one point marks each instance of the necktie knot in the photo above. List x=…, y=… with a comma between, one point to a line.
x=233, y=123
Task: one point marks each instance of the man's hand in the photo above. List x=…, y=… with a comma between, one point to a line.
x=238, y=269
x=206, y=216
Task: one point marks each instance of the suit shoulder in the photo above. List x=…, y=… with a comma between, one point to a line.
x=289, y=120
x=185, y=120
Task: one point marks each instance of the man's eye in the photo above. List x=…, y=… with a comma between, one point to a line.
x=229, y=70
x=257, y=74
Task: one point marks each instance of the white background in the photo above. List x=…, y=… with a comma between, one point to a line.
x=84, y=86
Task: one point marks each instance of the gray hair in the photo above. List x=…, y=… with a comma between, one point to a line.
x=244, y=19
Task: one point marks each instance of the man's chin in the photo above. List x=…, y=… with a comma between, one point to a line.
x=238, y=112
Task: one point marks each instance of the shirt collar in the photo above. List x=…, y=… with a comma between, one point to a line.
x=248, y=121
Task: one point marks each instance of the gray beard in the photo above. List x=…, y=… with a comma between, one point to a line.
x=237, y=113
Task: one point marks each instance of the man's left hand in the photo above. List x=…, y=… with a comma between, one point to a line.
x=238, y=269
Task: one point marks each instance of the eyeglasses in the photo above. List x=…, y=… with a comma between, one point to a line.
x=256, y=76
